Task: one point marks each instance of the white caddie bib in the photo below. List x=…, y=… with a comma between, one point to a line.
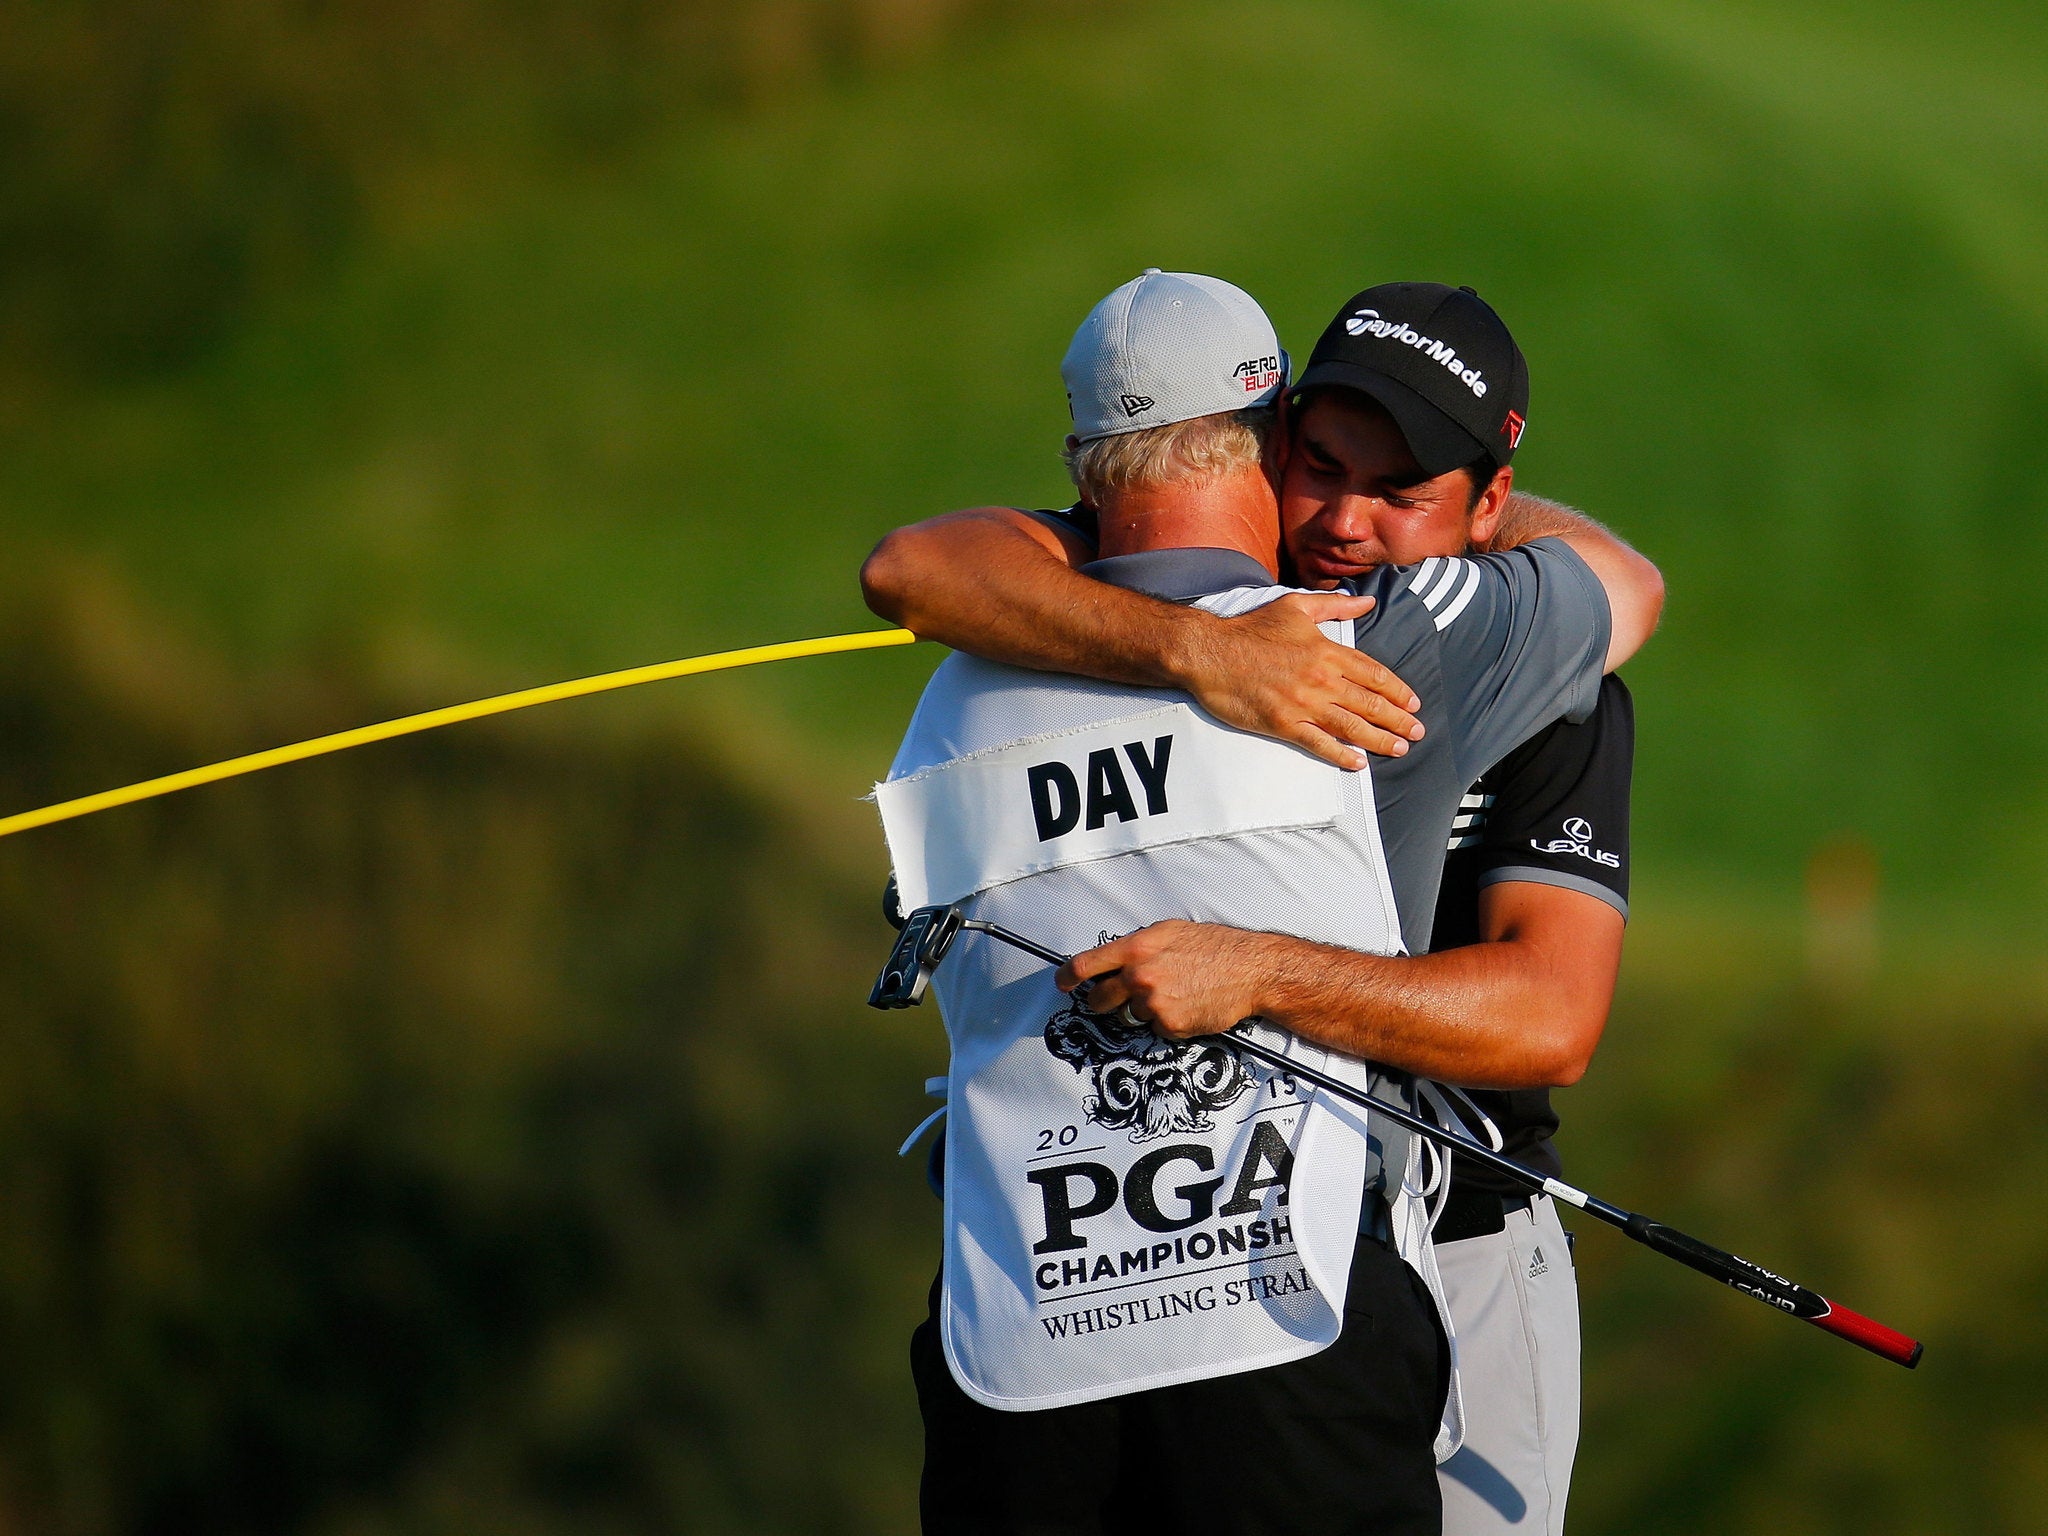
x=1124, y=1212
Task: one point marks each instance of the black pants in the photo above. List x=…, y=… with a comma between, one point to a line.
x=1339, y=1442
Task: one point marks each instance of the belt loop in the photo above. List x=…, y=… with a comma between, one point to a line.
x=1376, y=1220
x=1469, y=1212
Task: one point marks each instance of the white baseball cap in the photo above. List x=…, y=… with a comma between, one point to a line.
x=1167, y=347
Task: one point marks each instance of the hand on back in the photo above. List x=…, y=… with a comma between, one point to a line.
x=1273, y=672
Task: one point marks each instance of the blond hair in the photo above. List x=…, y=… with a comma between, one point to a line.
x=1196, y=452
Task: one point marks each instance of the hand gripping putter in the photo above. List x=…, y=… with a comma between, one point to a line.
x=927, y=934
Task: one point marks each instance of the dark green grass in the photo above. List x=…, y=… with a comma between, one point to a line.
x=1778, y=278
x=480, y=1013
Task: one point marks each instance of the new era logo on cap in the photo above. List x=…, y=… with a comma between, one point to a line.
x=1168, y=347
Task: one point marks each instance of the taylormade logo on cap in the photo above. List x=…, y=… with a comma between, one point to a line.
x=1367, y=322
x=1439, y=361
x=1167, y=347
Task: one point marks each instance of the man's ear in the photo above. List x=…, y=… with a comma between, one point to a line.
x=1073, y=442
x=1487, y=510
x=1280, y=441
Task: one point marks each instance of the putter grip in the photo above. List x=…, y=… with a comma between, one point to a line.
x=1873, y=1336
x=1775, y=1290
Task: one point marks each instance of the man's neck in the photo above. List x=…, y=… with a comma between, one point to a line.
x=1236, y=513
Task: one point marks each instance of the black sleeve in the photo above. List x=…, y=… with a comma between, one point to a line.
x=1079, y=519
x=1558, y=811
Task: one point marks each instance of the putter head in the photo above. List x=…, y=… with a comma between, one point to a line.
x=927, y=934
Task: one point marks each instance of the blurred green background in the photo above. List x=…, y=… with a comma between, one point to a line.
x=484, y=1131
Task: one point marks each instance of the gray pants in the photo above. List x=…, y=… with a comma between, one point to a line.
x=1515, y=1301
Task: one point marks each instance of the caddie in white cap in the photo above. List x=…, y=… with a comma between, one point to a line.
x=1178, y=1289
x=1168, y=347
x=1396, y=452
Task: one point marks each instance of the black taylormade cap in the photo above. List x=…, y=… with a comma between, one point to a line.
x=1441, y=362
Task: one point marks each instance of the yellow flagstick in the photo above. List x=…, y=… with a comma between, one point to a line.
x=454, y=714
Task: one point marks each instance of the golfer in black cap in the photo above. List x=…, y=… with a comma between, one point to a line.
x=1440, y=362
x=1403, y=427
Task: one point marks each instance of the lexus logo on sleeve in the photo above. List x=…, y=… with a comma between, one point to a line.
x=1578, y=842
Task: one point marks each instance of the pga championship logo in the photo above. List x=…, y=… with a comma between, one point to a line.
x=1146, y=1086
x=1154, y=1090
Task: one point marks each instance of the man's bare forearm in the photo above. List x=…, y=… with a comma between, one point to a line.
x=1526, y=518
x=1000, y=585
x=1524, y=1008
x=1482, y=1016
x=1635, y=588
